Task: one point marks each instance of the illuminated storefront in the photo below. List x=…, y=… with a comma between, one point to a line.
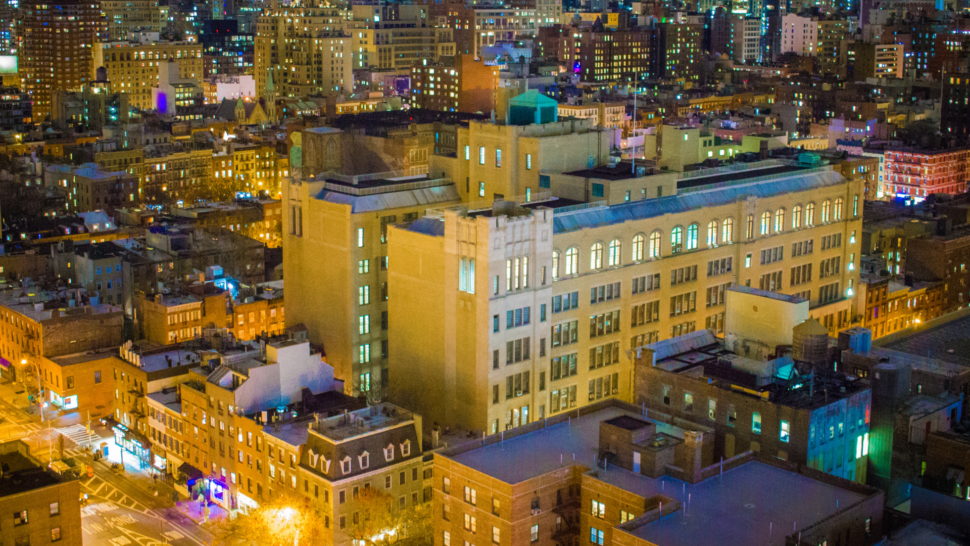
x=132, y=442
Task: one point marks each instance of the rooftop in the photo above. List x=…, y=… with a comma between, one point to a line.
x=738, y=508
x=22, y=472
x=362, y=421
x=556, y=446
x=168, y=398
x=947, y=343
x=714, y=192
x=38, y=305
x=927, y=364
x=623, y=170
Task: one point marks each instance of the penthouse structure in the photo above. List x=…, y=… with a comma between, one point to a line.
x=609, y=473
x=512, y=286
x=755, y=393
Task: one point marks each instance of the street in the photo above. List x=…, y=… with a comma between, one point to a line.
x=120, y=510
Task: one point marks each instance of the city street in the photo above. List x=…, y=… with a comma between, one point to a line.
x=122, y=508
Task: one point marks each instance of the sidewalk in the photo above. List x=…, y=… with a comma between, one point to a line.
x=194, y=510
x=136, y=475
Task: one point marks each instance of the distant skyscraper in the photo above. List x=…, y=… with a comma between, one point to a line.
x=56, y=42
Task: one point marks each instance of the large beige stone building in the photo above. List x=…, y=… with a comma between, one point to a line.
x=515, y=311
x=133, y=67
x=335, y=235
x=307, y=50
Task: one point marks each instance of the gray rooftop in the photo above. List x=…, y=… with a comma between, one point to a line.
x=919, y=362
x=949, y=342
x=547, y=449
x=740, y=510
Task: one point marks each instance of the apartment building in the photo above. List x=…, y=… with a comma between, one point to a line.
x=507, y=284
x=919, y=173
x=133, y=67
x=833, y=36
x=601, y=474
x=745, y=38
x=80, y=382
x=495, y=161
x=99, y=272
x=757, y=396
x=889, y=306
x=463, y=83
x=607, y=115
x=943, y=257
x=42, y=324
x=604, y=55
x=335, y=233
x=308, y=51
x=55, y=49
x=170, y=319
x=799, y=35
x=399, y=37
x=126, y=16
x=89, y=188
x=879, y=60
x=475, y=26
x=677, y=51
x=259, y=219
x=42, y=506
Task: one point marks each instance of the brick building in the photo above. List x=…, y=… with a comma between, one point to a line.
x=919, y=173
x=602, y=472
x=39, y=506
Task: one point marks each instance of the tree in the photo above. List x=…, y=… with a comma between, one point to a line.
x=380, y=523
x=284, y=521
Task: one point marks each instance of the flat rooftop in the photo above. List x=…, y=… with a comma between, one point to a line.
x=624, y=170
x=170, y=400
x=555, y=446
x=158, y=361
x=719, y=178
x=23, y=474
x=948, y=342
x=294, y=433
x=35, y=304
x=737, y=509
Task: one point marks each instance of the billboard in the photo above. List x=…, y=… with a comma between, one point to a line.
x=8, y=64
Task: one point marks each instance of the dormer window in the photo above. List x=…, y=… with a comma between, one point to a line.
x=345, y=465
x=389, y=453
x=364, y=460
x=406, y=448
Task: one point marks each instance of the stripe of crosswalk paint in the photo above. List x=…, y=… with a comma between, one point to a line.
x=120, y=541
x=173, y=535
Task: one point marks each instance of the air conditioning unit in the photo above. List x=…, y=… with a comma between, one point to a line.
x=536, y=511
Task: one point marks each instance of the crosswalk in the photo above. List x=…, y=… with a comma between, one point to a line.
x=79, y=435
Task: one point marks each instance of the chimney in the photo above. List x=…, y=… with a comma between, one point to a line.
x=693, y=455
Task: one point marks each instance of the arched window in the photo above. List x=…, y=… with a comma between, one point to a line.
x=838, y=209
x=796, y=217
x=676, y=239
x=614, y=256
x=826, y=211
x=779, y=220
x=555, y=264
x=749, y=228
x=765, y=223
x=638, y=248
x=596, y=256
x=572, y=261
x=712, y=233
x=655, y=241
x=727, y=231
x=692, y=236
x=810, y=215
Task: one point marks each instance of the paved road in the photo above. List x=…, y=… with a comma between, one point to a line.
x=119, y=512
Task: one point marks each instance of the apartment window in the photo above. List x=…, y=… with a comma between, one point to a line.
x=471, y=523
x=604, y=292
x=596, y=256
x=772, y=255
x=756, y=423
x=683, y=274
x=638, y=248
x=784, y=432
x=655, y=244
x=779, y=220
x=446, y=485
x=56, y=534
x=97, y=377
x=481, y=155
x=716, y=294
x=565, y=333
x=604, y=355
x=468, y=153
x=563, y=366
x=471, y=496
x=528, y=162
x=604, y=324
x=363, y=295
x=496, y=532
x=826, y=211
x=20, y=518
x=692, y=236
x=364, y=351
x=727, y=231
x=645, y=313
x=364, y=324
x=572, y=261
x=498, y=157
x=481, y=189
x=765, y=223
x=732, y=416
x=646, y=283
x=688, y=403
x=466, y=275
x=55, y=508
x=719, y=267
x=446, y=537
x=770, y=281
x=683, y=303
x=712, y=409
x=517, y=350
x=595, y=536
x=676, y=239
x=360, y=237
x=598, y=509
x=802, y=248
x=800, y=274
x=749, y=228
